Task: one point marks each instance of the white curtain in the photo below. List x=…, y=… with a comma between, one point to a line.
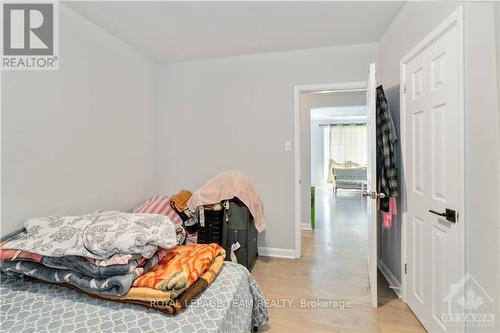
x=326, y=153
x=348, y=145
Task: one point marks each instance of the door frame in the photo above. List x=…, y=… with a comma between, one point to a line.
x=454, y=20
x=297, y=90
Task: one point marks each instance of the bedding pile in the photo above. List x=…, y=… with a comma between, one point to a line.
x=233, y=303
x=127, y=257
x=179, y=277
x=149, y=257
x=102, y=252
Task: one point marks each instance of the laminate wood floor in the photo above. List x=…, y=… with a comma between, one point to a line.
x=333, y=268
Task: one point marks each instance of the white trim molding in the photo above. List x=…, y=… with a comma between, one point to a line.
x=276, y=252
x=394, y=283
x=297, y=90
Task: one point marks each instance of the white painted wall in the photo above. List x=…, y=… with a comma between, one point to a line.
x=237, y=112
x=416, y=20
x=482, y=153
x=497, y=26
x=81, y=138
x=497, y=34
x=317, y=150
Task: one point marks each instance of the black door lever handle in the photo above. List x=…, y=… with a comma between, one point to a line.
x=449, y=214
x=437, y=213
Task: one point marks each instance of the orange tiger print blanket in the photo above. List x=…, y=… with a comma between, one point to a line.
x=180, y=268
x=164, y=301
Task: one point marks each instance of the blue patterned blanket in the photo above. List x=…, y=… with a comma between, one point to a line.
x=232, y=303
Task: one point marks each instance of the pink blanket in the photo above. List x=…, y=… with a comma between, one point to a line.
x=228, y=185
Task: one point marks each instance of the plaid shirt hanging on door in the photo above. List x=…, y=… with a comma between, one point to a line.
x=386, y=154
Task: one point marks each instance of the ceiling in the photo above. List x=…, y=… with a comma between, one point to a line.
x=179, y=31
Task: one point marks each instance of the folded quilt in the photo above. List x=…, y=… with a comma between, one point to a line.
x=94, y=268
x=165, y=301
x=117, y=284
x=98, y=235
x=117, y=259
x=180, y=268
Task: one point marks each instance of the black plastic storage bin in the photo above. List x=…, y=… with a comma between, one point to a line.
x=212, y=230
x=232, y=224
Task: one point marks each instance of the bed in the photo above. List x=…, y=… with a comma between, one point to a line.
x=232, y=303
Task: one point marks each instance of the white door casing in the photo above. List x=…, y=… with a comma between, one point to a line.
x=433, y=152
x=338, y=87
x=371, y=108
x=372, y=211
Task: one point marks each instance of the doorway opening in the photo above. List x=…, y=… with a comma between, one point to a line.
x=307, y=98
x=334, y=167
x=338, y=153
x=341, y=250
x=337, y=224
x=345, y=213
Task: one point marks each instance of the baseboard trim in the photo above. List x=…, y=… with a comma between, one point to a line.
x=390, y=277
x=306, y=226
x=276, y=252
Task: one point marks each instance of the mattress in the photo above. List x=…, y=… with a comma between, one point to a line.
x=232, y=303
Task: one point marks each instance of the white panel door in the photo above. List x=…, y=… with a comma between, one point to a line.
x=433, y=173
x=371, y=185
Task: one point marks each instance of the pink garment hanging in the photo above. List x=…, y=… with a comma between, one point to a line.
x=387, y=216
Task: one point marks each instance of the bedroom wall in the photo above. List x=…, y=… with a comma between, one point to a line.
x=416, y=20
x=237, y=113
x=497, y=26
x=317, y=150
x=83, y=137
